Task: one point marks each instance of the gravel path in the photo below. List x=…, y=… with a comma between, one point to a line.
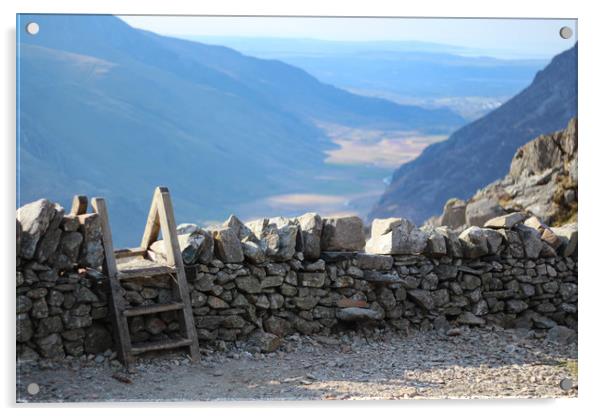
x=380, y=365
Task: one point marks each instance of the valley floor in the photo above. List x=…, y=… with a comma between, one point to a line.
x=476, y=363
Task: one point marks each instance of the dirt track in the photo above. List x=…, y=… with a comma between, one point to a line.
x=382, y=365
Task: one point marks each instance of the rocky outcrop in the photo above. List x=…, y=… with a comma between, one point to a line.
x=480, y=152
x=542, y=182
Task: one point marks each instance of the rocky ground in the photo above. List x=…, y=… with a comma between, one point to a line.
x=375, y=364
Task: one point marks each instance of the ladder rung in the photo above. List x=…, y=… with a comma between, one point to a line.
x=148, y=309
x=130, y=252
x=145, y=272
x=164, y=344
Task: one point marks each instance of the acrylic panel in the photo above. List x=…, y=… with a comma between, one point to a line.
x=295, y=208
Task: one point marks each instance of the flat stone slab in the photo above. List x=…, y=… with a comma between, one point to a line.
x=357, y=314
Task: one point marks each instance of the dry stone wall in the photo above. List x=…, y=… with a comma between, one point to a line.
x=255, y=283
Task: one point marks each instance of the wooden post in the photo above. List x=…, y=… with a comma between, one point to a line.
x=79, y=205
x=174, y=258
x=153, y=226
x=120, y=324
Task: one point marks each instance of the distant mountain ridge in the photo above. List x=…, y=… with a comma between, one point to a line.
x=106, y=109
x=480, y=152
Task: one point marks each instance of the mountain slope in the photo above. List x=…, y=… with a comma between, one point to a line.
x=480, y=152
x=105, y=109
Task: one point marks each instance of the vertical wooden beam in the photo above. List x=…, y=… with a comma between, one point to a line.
x=174, y=258
x=79, y=205
x=152, y=228
x=120, y=324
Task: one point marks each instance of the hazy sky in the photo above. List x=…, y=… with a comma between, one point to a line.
x=495, y=37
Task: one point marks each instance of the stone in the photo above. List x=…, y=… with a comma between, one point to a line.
x=154, y=325
x=531, y=241
x=192, y=246
x=34, y=218
x=535, y=223
x=453, y=244
x=248, y=284
x=516, y=306
x=306, y=302
x=561, y=335
x=227, y=246
x=374, y=261
x=24, y=304
x=97, y=339
x=494, y=240
x=240, y=229
x=310, y=225
x=386, y=298
x=468, y=318
x=514, y=244
x=264, y=341
x=403, y=238
x=549, y=237
x=351, y=303
x=424, y=298
x=253, y=252
x=49, y=325
x=383, y=226
x=51, y=346
x=271, y=281
x=441, y=324
x=24, y=328
x=217, y=303
x=357, y=314
x=436, y=245
x=70, y=244
x=342, y=234
x=48, y=244
x=187, y=228
x=470, y=282
x=84, y=295
x=505, y=221
x=233, y=322
x=454, y=213
x=277, y=326
x=317, y=266
x=312, y=279
x=474, y=240
x=69, y=223
x=480, y=211
x=568, y=236
x=92, y=252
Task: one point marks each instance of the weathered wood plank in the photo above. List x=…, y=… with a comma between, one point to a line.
x=153, y=226
x=174, y=257
x=130, y=252
x=150, y=309
x=79, y=205
x=120, y=324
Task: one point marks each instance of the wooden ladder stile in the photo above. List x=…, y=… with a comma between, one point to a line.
x=119, y=322
x=160, y=219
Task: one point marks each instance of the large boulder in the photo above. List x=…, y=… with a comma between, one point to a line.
x=227, y=246
x=480, y=211
x=454, y=213
x=343, y=234
x=34, y=219
x=396, y=236
x=310, y=225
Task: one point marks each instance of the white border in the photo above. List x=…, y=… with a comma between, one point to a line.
x=590, y=124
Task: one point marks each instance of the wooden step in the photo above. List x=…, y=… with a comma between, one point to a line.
x=164, y=344
x=149, y=309
x=145, y=272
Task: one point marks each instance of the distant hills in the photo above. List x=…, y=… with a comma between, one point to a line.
x=420, y=73
x=481, y=151
x=106, y=109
